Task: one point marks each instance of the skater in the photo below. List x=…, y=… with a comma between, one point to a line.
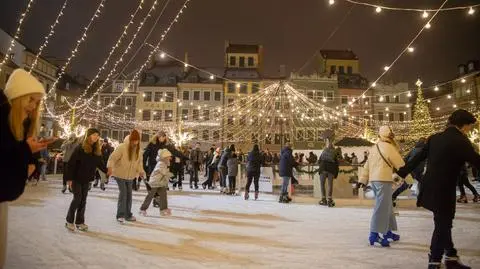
x=158, y=183
x=107, y=150
x=232, y=167
x=446, y=153
x=212, y=169
x=67, y=148
x=287, y=163
x=85, y=159
x=44, y=157
x=463, y=181
x=222, y=167
x=20, y=105
x=196, y=159
x=179, y=170
x=328, y=170
x=383, y=161
x=125, y=164
x=254, y=163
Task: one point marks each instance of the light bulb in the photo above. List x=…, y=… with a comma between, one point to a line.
x=449, y=96
x=238, y=85
x=212, y=77
x=374, y=84
x=425, y=14
x=378, y=9
x=454, y=105
x=366, y=111
x=331, y=2
x=186, y=65
x=438, y=108
x=162, y=55
x=436, y=88
x=411, y=49
x=386, y=68
x=386, y=109
x=428, y=25
x=472, y=102
x=471, y=11
x=381, y=98
x=409, y=94
x=407, y=105
x=363, y=96
x=463, y=80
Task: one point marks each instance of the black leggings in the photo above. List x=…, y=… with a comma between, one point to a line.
x=463, y=181
x=255, y=178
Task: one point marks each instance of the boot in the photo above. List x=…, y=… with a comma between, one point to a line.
x=323, y=202
x=476, y=198
x=462, y=199
x=392, y=236
x=375, y=238
x=284, y=198
x=330, y=202
x=432, y=264
x=246, y=195
x=256, y=195
x=453, y=262
x=102, y=186
x=64, y=188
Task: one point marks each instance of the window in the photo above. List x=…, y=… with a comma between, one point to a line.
x=115, y=134
x=216, y=135
x=243, y=88
x=196, y=114
x=251, y=61
x=218, y=96
x=387, y=98
x=128, y=101
x=206, y=96
x=401, y=116
x=233, y=61
x=341, y=69
x=310, y=135
x=168, y=115
x=255, y=88
x=391, y=116
x=241, y=61
x=196, y=95
x=106, y=101
x=278, y=139
x=184, y=114
x=268, y=139
x=310, y=94
x=205, y=135
x=118, y=102
x=333, y=69
x=118, y=87
x=148, y=97
x=104, y=133
x=299, y=135
x=344, y=99
x=231, y=88
x=377, y=98
x=380, y=116
x=158, y=96
x=186, y=95
x=157, y=115
x=349, y=70
x=230, y=121
x=169, y=97
x=230, y=100
x=125, y=133
x=146, y=115
x=145, y=136
x=329, y=95
x=128, y=115
x=206, y=115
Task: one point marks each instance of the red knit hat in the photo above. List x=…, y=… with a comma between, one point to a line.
x=134, y=135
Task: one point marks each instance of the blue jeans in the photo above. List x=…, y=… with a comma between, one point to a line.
x=124, y=206
x=383, y=219
x=285, y=182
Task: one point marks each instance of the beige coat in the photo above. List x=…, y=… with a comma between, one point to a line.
x=121, y=166
x=375, y=169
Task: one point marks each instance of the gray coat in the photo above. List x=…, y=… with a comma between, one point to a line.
x=232, y=165
x=68, y=147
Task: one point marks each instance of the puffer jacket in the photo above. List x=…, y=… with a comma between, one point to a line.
x=224, y=158
x=160, y=175
x=232, y=165
x=376, y=169
x=121, y=166
x=328, y=162
x=286, y=163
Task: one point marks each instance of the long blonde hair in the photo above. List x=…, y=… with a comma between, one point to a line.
x=17, y=117
x=131, y=148
x=89, y=148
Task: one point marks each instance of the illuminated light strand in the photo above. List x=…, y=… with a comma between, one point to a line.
x=74, y=52
x=47, y=37
x=421, y=10
x=113, y=49
x=17, y=34
x=144, y=65
x=129, y=46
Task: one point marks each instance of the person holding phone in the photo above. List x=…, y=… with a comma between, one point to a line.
x=20, y=104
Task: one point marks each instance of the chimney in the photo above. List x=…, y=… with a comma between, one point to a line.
x=282, y=70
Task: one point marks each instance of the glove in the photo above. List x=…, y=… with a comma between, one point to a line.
x=396, y=178
x=361, y=185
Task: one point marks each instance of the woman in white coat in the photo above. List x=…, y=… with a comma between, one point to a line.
x=125, y=164
x=384, y=160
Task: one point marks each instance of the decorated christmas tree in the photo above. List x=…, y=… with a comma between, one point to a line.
x=368, y=133
x=422, y=125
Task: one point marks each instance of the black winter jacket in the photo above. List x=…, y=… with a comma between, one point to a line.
x=151, y=152
x=82, y=166
x=254, y=163
x=447, y=153
x=17, y=156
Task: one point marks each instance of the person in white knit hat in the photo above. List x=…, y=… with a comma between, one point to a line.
x=384, y=160
x=20, y=113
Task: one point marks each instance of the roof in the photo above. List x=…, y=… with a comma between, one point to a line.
x=242, y=73
x=167, y=73
x=243, y=48
x=9, y=63
x=352, y=81
x=338, y=54
x=353, y=142
x=202, y=75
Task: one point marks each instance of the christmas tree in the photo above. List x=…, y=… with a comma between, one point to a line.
x=422, y=125
x=368, y=133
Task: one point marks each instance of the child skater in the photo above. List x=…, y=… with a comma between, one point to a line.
x=232, y=165
x=159, y=184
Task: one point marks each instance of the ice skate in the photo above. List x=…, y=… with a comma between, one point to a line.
x=323, y=202
x=64, y=189
x=102, y=186
x=375, y=238
x=453, y=262
x=462, y=199
x=391, y=236
x=142, y=213
x=246, y=196
x=256, y=195
x=131, y=219
x=330, y=203
x=70, y=226
x=82, y=227
x=121, y=220
x=165, y=212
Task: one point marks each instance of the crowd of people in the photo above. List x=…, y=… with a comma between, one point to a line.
x=438, y=163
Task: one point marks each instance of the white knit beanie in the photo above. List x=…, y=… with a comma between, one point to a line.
x=385, y=132
x=22, y=83
x=164, y=153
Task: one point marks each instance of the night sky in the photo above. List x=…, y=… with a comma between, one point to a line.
x=290, y=32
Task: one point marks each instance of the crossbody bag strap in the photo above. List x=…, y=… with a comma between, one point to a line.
x=384, y=159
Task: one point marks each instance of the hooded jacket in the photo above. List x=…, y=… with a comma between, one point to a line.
x=232, y=165
x=254, y=162
x=376, y=169
x=121, y=166
x=82, y=165
x=227, y=152
x=160, y=175
x=328, y=161
x=286, y=162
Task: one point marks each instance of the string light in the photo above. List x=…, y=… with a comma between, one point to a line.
x=17, y=34
x=331, y=2
x=463, y=80
x=409, y=94
x=471, y=11
x=428, y=25
x=436, y=88
x=386, y=68
x=47, y=37
x=412, y=9
x=425, y=14
x=378, y=9
x=411, y=49
x=374, y=84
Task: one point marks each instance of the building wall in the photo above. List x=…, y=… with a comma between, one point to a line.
x=338, y=64
x=393, y=104
x=18, y=49
x=236, y=63
x=5, y=74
